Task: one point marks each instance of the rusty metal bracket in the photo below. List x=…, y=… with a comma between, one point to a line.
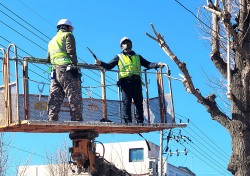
x=83, y=151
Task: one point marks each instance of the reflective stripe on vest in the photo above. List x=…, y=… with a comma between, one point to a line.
x=129, y=67
x=57, y=49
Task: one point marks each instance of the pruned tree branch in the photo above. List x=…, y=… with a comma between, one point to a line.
x=226, y=19
x=209, y=101
x=216, y=55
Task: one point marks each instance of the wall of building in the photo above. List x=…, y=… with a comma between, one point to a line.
x=118, y=154
x=35, y=170
x=43, y=170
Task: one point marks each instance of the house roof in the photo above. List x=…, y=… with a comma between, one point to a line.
x=186, y=170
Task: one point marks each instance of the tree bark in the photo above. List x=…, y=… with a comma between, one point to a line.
x=239, y=161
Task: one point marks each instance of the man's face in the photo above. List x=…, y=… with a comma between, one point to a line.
x=126, y=45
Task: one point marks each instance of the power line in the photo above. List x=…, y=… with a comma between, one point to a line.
x=24, y=21
x=24, y=27
x=205, y=154
x=205, y=161
x=192, y=14
x=221, y=151
x=23, y=35
x=28, y=54
x=225, y=38
x=210, y=148
x=206, y=158
x=26, y=151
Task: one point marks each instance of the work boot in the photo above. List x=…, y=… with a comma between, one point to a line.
x=140, y=121
x=52, y=119
x=105, y=120
x=128, y=120
x=76, y=119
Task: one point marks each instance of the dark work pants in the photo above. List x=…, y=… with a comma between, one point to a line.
x=132, y=89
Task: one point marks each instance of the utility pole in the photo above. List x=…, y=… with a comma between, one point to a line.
x=161, y=152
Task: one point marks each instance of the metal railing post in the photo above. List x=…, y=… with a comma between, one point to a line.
x=104, y=99
x=147, y=95
x=171, y=92
x=17, y=83
x=25, y=89
x=119, y=99
x=7, y=88
x=4, y=55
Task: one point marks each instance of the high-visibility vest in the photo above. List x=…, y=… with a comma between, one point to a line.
x=57, y=49
x=129, y=67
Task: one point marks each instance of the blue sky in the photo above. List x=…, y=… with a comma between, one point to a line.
x=100, y=25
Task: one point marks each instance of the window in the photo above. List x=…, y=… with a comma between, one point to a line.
x=150, y=164
x=135, y=154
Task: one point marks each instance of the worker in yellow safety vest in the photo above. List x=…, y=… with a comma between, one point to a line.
x=65, y=76
x=129, y=64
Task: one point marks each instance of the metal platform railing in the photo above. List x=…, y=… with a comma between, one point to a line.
x=17, y=103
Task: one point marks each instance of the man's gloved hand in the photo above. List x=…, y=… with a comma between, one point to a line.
x=98, y=62
x=118, y=83
x=160, y=64
x=75, y=73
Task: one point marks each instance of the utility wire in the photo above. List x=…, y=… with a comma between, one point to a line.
x=192, y=13
x=23, y=35
x=225, y=38
x=24, y=27
x=28, y=54
x=209, y=147
x=201, y=149
x=205, y=161
x=221, y=151
x=179, y=137
x=26, y=151
x=212, y=161
x=203, y=152
x=24, y=21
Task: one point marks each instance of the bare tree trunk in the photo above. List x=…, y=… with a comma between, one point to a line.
x=239, y=163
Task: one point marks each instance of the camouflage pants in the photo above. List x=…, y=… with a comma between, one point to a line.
x=65, y=85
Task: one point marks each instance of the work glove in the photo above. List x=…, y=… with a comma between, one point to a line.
x=76, y=73
x=118, y=83
x=98, y=62
x=160, y=65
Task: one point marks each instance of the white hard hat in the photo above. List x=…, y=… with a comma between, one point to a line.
x=123, y=39
x=64, y=22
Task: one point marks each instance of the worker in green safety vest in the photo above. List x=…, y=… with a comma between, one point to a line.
x=129, y=64
x=65, y=76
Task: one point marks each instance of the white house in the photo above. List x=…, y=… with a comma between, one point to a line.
x=136, y=157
